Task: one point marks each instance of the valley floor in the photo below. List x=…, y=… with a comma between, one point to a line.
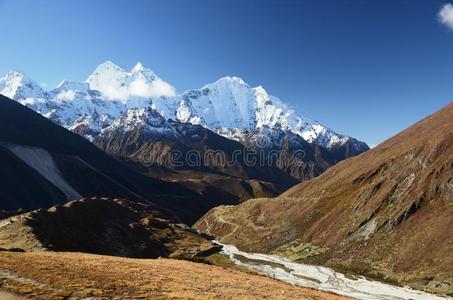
x=50, y=275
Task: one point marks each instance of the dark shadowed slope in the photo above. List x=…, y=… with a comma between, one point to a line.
x=387, y=213
x=104, y=226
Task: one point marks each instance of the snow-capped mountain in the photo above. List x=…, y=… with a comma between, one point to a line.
x=229, y=106
x=17, y=86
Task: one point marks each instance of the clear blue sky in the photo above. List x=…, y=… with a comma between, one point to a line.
x=364, y=68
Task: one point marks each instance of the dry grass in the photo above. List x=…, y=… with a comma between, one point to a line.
x=50, y=275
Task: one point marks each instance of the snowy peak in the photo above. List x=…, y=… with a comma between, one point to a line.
x=107, y=67
x=109, y=79
x=117, y=84
x=141, y=72
x=230, y=85
x=230, y=81
x=262, y=96
x=228, y=103
x=138, y=68
x=17, y=86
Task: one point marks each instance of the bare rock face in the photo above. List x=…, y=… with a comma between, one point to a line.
x=387, y=213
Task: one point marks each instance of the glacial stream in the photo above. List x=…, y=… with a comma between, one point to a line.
x=321, y=278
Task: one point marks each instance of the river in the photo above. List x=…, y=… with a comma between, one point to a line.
x=322, y=278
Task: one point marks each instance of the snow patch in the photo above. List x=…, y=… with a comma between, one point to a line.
x=43, y=163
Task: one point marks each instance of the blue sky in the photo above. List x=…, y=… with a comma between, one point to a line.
x=365, y=68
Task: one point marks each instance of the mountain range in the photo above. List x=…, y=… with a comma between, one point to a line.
x=229, y=106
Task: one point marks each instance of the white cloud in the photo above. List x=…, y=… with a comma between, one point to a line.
x=66, y=95
x=114, y=92
x=123, y=86
x=446, y=15
x=138, y=88
x=157, y=88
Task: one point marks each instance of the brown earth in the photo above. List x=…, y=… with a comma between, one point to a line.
x=387, y=213
x=46, y=275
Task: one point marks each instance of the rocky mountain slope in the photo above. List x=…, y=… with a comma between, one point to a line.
x=387, y=213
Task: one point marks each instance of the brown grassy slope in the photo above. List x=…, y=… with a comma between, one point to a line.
x=387, y=213
x=44, y=275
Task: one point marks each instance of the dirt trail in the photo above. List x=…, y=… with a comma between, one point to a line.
x=220, y=219
x=229, y=223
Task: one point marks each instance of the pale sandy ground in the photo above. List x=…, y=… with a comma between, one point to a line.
x=46, y=275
